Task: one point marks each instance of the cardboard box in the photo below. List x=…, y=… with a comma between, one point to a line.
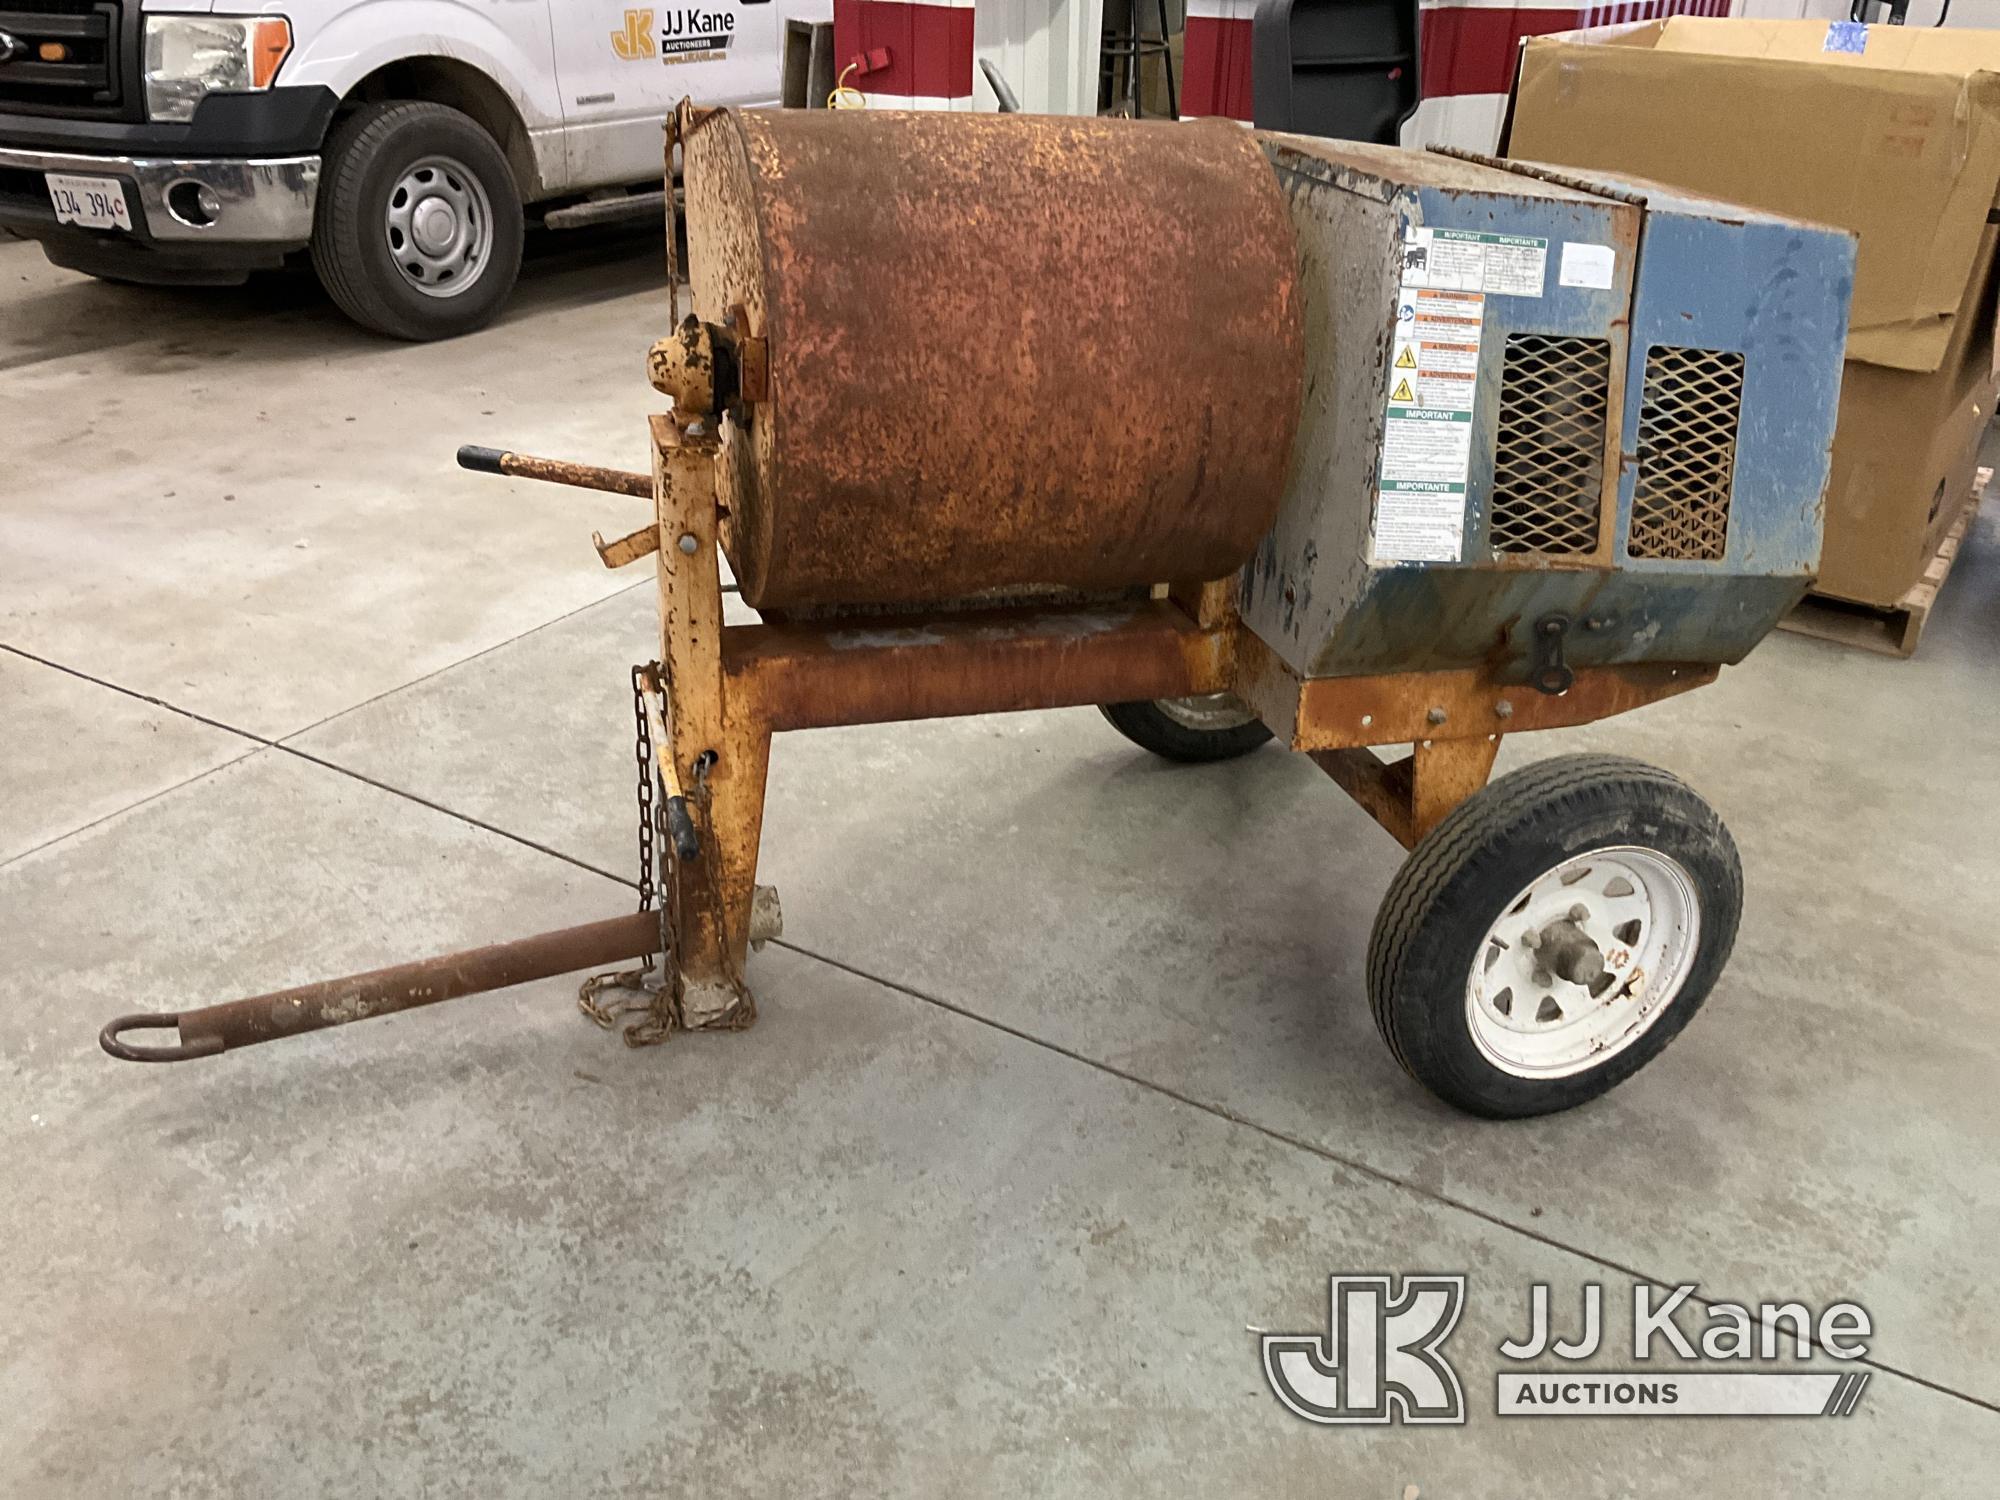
x=1892, y=132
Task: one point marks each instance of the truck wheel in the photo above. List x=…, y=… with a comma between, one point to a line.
x=1209, y=726
x=1550, y=937
x=418, y=230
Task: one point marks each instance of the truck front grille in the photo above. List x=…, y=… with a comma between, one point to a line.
x=1548, y=463
x=1687, y=454
x=63, y=57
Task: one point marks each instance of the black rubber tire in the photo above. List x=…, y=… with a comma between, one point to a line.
x=367, y=153
x=1148, y=727
x=1445, y=897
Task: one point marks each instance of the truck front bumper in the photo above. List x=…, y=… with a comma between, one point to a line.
x=192, y=218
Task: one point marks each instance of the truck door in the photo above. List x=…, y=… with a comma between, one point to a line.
x=624, y=67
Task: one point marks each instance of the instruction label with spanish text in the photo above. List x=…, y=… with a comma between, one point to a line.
x=1418, y=522
x=1427, y=429
x=1465, y=260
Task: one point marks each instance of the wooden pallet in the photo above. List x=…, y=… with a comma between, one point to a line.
x=1894, y=631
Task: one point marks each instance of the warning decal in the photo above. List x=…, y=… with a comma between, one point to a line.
x=1427, y=430
x=1437, y=349
x=1462, y=260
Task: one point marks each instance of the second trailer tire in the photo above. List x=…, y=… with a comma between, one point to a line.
x=1213, y=726
x=1550, y=937
x=418, y=230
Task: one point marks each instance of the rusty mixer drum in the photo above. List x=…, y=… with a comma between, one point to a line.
x=1004, y=351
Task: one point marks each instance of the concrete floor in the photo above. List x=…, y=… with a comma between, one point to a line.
x=1064, y=1080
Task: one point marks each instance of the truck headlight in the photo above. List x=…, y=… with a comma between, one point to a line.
x=191, y=57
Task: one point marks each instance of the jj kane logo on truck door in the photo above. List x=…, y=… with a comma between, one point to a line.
x=696, y=35
x=691, y=35
x=636, y=40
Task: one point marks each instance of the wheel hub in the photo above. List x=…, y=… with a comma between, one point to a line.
x=434, y=226
x=1564, y=950
x=1208, y=713
x=439, y=226
x=1582, y=962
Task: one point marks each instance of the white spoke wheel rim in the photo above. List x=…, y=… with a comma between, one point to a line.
x=438, y=226
x=1583, y=962
x=1207, y=713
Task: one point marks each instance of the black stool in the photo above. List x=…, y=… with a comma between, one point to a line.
x=1132, y=48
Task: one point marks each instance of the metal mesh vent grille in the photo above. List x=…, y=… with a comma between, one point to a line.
x=1548, y=466
x=1687, y=454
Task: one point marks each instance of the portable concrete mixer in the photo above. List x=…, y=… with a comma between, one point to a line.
x=1236, y=436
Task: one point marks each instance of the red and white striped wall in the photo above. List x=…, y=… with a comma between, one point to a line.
x=1215, y=58
x=1469, y=49
x=921, y=54
x=913, y=54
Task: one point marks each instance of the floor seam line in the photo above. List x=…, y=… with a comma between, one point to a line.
x=279, y=742
x=307, y=756
x=403, y=687
x=1377, y=1174
x=262, y=742
x=451, y=812
x=119, y=812
x=117, y=687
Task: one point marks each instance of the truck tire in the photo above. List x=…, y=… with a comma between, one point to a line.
x=1549, y=938
x=1213, y=726
x=418, y=230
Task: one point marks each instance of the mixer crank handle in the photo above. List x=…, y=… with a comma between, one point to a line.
x=555, y=471
x=680, y=828
x=680, y=823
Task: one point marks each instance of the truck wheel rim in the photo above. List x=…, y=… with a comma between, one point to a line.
x=1208, y=713
x=1583, y=962
x=439, y=226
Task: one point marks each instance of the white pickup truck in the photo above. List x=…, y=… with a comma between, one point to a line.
x=402, y=143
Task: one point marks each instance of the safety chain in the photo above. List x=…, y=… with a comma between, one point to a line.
x=656, y=992
x=642, y=751
x=656, y=995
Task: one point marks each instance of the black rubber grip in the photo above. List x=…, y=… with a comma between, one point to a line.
x=680, y=828
x=481, y=460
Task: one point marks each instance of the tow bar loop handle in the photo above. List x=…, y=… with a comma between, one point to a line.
x=111, y=1039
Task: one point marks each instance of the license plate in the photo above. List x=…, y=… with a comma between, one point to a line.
x=94, y=202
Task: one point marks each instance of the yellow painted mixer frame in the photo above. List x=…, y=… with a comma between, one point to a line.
x=726, y=689
x=719, y=692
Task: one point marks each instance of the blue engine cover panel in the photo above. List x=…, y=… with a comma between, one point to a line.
x=1717, y=277
x=1648, y=385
